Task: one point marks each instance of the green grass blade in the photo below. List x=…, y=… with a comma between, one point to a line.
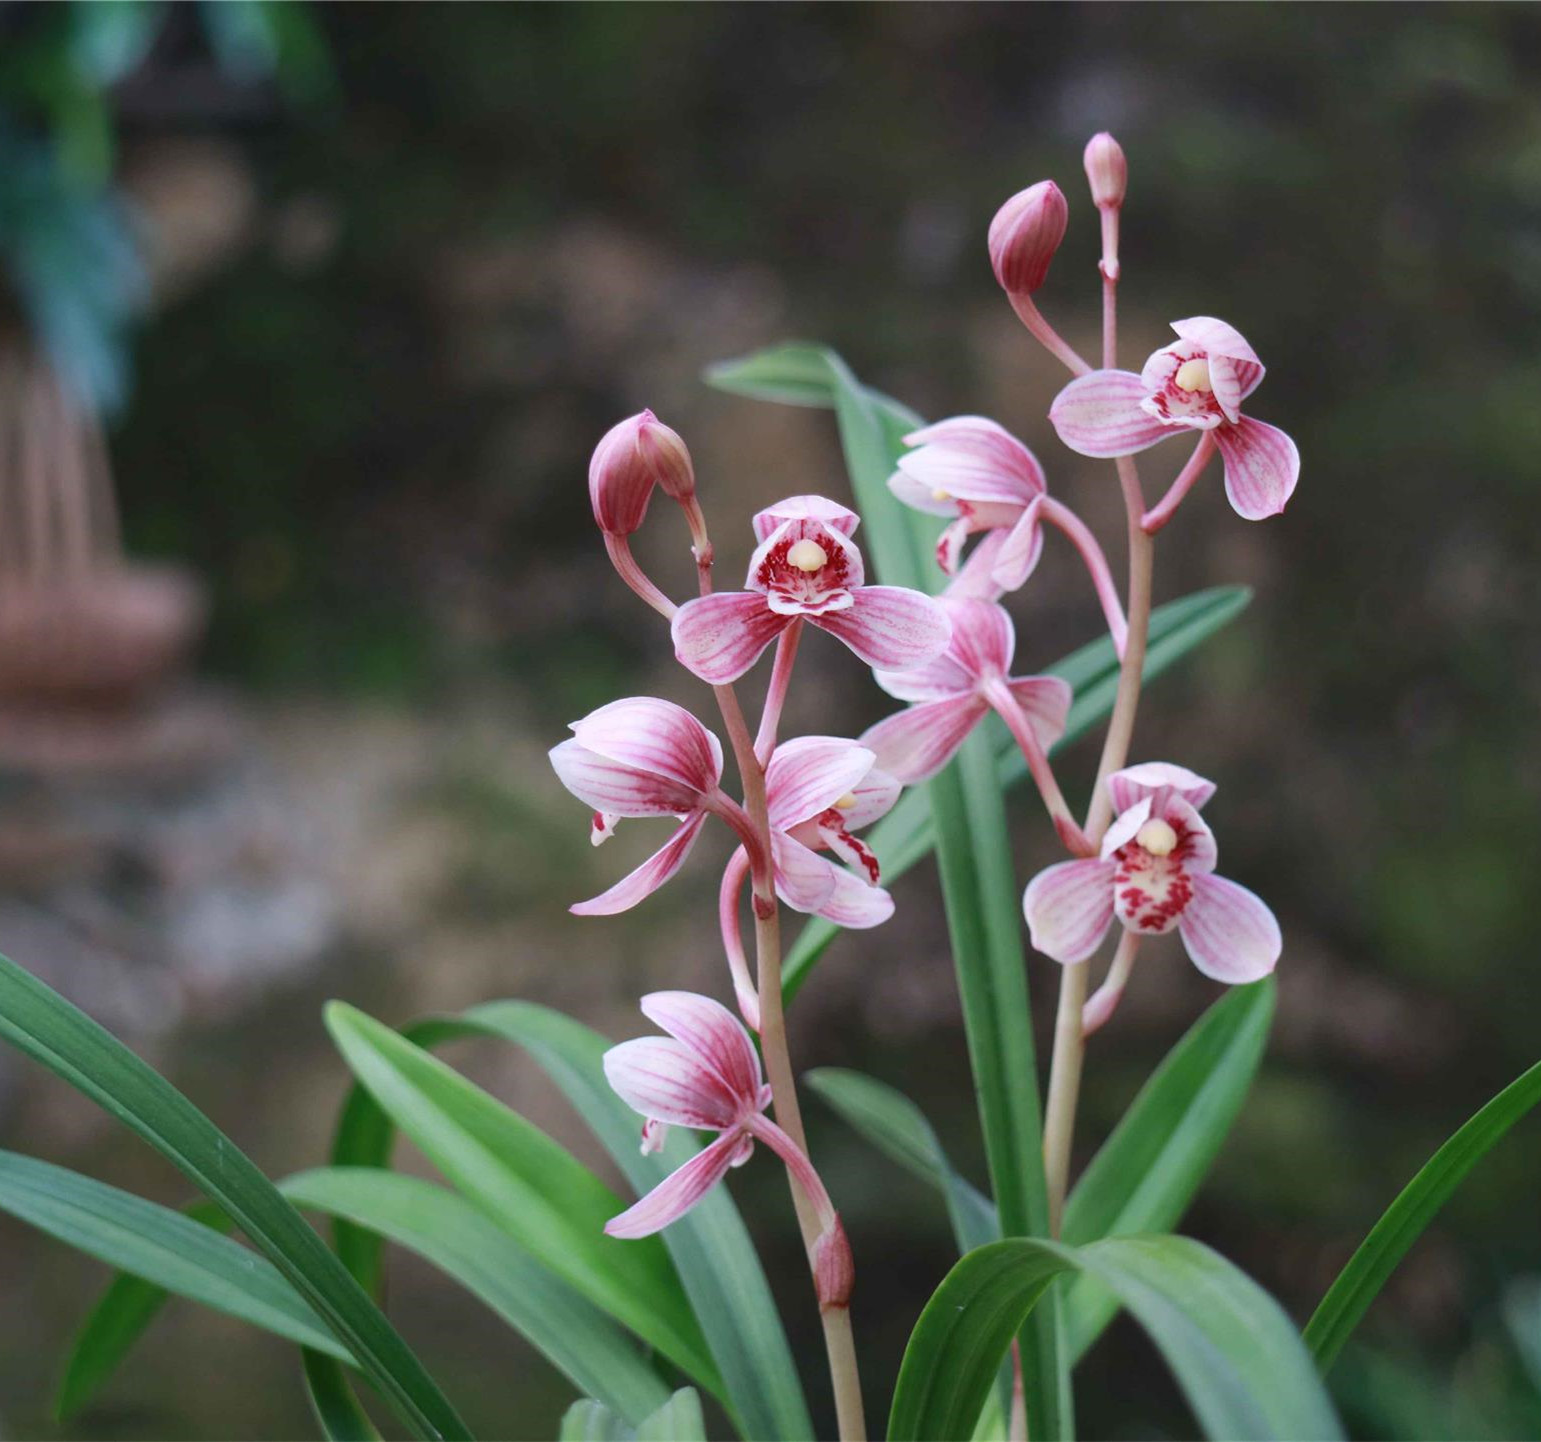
x=1148, y=1171
x=160, y=1245
x=1404, y=1221
x=1231, y=1348
x=898, y=1128
x=337, y=1409
x=446, y=1230
x=528, y=1184
x=42, y=1025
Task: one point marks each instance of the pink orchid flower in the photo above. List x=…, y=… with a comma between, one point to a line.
x=706, y=1075
x=806, y=568
x=1155, y=874
x=1195, y=384
x=643, y=757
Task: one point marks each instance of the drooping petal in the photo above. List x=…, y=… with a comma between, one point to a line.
x=938, y=678
x=804, y=879
x=876, y=794
x=983, y=637
x=721, y=636
x=1018, y=556
x=678, y=1192
x=806, y=508
x=1099, y=415
x=612, y=789
x=916, y=743
x=666, y=1080
x=976, y=579
x=889, y=626
x=1230, y=933
x=648, y=877
x=810, y=774
x=973, y=459
x=654, y=735
x=1045, y=701
x=1151, y=777
x=1262, y=467
x=1069, y=908
x=855, y=904
x=711, y=1031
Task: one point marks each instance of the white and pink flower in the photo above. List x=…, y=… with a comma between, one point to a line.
x=1195, y=384
x=1155, y=875
x=806, y=568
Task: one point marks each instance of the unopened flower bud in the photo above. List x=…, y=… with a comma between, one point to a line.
x=1106, y=170
x=834, y=1271
x=630, y=459
x=1025, y=234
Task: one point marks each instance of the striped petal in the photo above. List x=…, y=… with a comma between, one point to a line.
x=805, y=508
x=715, y=1035
x=1020, y=549
x=1151, y=778
x=1099, y=415
x=1234, y=369
x=876, y=795
x=648, y=877
x=666, y=1080
x=719, y=637
x=974, y=459
x=855, y=904
x=810, y=774
x=1262, y=467
x=804, y=880
x=1045, y=700
x=938, y=678
x=678, y=1192
x=887, y=626
x=1069, y=908
x=1231, y=934
x=612, y=789
x=976, y=578
x=656, y=736
x=916, y=743
x=983, y=637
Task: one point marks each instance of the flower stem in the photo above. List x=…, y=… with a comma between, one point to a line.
x=1049, y=338
x=1006, y=705
x=775, y=697
x=733, y=877
x=1107, y=996
x=1164, y=509
x=1056, y=513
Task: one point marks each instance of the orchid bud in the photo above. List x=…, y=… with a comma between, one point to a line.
x=834, y=1270
x=1025, y=234
x=1106, y=170
x=630, y=459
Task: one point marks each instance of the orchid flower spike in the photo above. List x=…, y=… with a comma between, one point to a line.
x=706, y=1075
x=1195, y=384
x=643, y=757
x=1155, y=874
x=806, y=568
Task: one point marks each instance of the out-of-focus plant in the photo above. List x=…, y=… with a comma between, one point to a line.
x=625, y=1297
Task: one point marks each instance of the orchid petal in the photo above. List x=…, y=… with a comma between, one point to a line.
x=1045, y=701
x=1196, y=849
x=854, y=904
x=916, y=743
x=615, y=790
x=1216, y=338
x=1262, y=467
x=1019, y=552
x=1149, y=777
x=711, y=1031
x=1069, y=908
x=1230, y=933
x=983, y=637
x=648, y=877
x=920, y=496
x=721, y=636
x=810, y=774
x=805, y=508
x=1099, y=415
x=1126, y=827
x=656, y=736
x=976, y=579
x=973, y=459
x=876, y=794
x=668, y=1081
x=804, y=879
x=937, y=679
x=678, y=1192
x=949, y=545
x=889, y=626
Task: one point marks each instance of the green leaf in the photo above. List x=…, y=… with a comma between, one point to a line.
x=678, y=1420
x=126, y=1308
x=159, y=1245
x=710, y=1247
x=1393, y=1235
x=1148, y=1171
x=1230, y=1346
x=898, y=1128
x=573, y=1334
x=41, y=1024
x=905, y=836
x=337, y=1408
x=529, y=1185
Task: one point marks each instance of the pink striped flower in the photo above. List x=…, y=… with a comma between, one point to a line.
x=706, y=1075
x=643, y=757
x=952, y=694
x=1195, y=384
x=806, y=567
x=1155, y=875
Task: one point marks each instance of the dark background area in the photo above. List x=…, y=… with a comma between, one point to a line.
x=391, y=320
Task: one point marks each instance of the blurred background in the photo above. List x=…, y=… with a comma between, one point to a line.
x=309, y=318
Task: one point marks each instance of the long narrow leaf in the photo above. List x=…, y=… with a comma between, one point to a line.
x=1230, y=1346
x=573, y=1334
x=41, y=1024
x=678, y=1420
x=1359, y=1283
x=338, y=1412
x=528, y=1184
x=1148, y=1171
